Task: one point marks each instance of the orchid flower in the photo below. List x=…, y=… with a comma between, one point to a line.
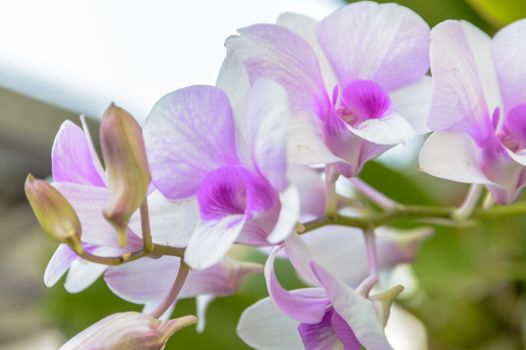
x=78, y=175
x=241, y=188
x=336, y=248
x=329, y=316
x=356, y=80
x=478, y=108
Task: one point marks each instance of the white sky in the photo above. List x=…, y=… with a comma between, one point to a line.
x=84, y=54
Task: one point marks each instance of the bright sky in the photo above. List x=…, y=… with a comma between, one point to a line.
x=84, y=54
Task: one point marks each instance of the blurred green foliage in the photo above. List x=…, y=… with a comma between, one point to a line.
x=472, y=280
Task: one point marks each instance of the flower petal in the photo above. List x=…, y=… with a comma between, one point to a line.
x=305, y=141
x=321, y=335
x=304, y=305
x=311, y=188
x=234, y=81
x=465, y=87
x=276, y=53
x=389, y=130
x=71, y=157
x=357, y=311
x=385, y=43
x=82, y=274
x=336, y=248
x=148, y=280
x=202, y=302
x=453, y=156
x=188, y=133
x=171, y=222
x=413, y=103
x=88, y=202
x=58, y=264
x=509, y=54
x=289, y=215
x=263, y=326
x=267, y=113
x=211, y=240
x=306, y=27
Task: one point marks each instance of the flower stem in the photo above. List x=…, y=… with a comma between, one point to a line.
x=370, y=246
x=158, y=250
x=174, y=291
x=145, y=227
x=373, y=194
x=332, y=199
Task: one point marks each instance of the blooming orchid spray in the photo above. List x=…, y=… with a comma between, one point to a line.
x=218, y=174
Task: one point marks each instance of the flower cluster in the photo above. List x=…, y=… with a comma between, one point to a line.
x=254, y=161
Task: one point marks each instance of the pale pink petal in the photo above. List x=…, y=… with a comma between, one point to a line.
x=289, y=215
x=188, y=133
x=312, y=190
x=83, y=274
x=465, y=88
x=509, y=54
x=148, y=280
x=338, y=248
x=357, y=311
x=413, y=103
x=267, y=113
x=453, y=156
x=58, y=264
x=276, y=53
x=72, y=160
x=305, y=141
x=306, y=27
x=301, y=257
x=202, y=302
x=234, y=81
x=385, y=43
x=263, y=326
x=211, y=240
x=305, y=305
x=389, y=130
x=88, y=202
x=171, y=221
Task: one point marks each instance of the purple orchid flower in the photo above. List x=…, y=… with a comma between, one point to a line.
x=356, y=80
x=78, y=175
x=478, y=108
x=329, y=316
x=336, y=248
x=198, y=149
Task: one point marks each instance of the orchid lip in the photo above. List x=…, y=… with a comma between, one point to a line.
x=231, y=190
x=362, y=100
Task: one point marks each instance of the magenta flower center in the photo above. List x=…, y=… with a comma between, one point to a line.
x=513, y=132
x=363, y=100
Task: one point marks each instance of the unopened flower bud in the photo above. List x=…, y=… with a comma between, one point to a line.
x=383, y=301
x=55, y=215
x=127, y=167
x=128, y=331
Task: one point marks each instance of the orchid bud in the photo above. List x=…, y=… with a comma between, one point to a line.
x=128, y=331
x=127, y=167
x=383, y=301
x=55, y=215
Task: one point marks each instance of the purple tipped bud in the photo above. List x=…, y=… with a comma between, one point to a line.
x=128, y=331
x=127, y=167
x=55, y=215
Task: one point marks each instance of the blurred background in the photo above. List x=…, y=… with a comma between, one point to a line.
x=61, y=58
